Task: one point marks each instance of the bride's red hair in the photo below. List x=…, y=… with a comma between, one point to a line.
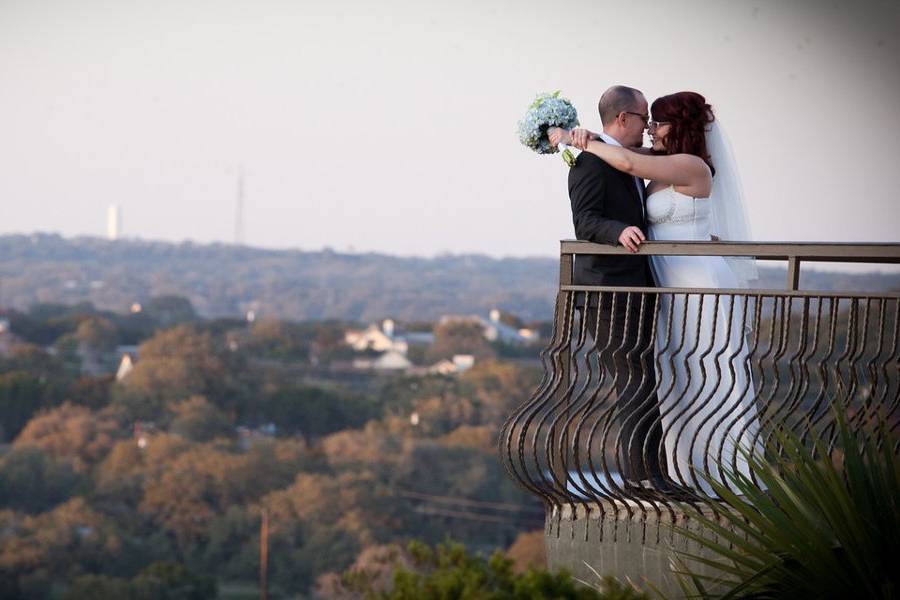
x=689, y=114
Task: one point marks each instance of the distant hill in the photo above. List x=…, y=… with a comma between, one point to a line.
x=224, y=280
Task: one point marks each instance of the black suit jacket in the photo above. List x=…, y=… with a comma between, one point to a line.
x=604, y=202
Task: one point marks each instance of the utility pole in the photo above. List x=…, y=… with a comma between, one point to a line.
x=264, y=554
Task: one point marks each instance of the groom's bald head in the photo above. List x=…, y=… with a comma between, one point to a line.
x=618, y=99
x=623, y=111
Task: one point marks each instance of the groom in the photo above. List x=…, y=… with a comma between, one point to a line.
x=608, y=208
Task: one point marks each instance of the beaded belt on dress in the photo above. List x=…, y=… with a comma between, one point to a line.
x=670, y=217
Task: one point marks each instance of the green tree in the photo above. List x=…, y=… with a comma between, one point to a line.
x=72, y=433
x=158, y=581
x=449, y=572
x=313, y=410
x=185, y=495
x=91, y=392
x=119, y=478
x=200, y=421
x=169, y=310
x=96, y=587
x=278, y=339
x=97, y=333
x=59, y=545
x=196, y=483
x=45, y=323
x=32, y=480
x=322, y=521
x=498, y=387
x=459, y=337
x=327, y=342
x=22, y=393
x=374, y=447
x=31, y=358
x=440, y=415
x=232, y=551
x=172, y=581
x=176, y=364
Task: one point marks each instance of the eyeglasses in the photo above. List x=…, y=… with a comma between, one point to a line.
x=644, y=118
x=655, y=124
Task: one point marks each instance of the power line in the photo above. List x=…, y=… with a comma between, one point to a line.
x=472, y=516
x=466, y=502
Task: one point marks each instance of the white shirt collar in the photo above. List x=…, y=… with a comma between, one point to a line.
x=610, y=139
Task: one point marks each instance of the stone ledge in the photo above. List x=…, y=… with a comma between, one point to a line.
x=639, y=547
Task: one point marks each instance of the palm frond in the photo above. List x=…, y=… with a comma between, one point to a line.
x=814, y=527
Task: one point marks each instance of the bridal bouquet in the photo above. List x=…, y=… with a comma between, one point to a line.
x=548, y=110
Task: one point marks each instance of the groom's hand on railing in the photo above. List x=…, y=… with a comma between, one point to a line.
x=631, y=237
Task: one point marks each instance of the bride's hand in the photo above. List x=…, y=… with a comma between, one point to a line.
x=581, y=137
x=558, y=136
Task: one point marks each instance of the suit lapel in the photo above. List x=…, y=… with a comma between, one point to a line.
x=632, y=187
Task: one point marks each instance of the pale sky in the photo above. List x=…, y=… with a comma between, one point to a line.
x=390, y=126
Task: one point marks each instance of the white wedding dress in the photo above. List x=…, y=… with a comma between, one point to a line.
x=705, y=384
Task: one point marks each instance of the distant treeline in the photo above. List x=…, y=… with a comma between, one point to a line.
x=225, y=280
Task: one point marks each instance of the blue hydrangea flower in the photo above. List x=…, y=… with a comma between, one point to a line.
x=547, y=110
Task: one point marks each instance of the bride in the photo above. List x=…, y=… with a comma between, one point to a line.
x=706, y=390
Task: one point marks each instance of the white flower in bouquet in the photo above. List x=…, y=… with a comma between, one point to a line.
x=548, y=110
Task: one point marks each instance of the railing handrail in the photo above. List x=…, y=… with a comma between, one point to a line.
x=749, y=292
x=880, y=252
x=793, y=252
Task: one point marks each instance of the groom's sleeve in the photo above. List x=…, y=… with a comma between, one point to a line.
x=587, y=193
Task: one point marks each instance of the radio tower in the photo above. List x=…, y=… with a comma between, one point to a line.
x=239, y=210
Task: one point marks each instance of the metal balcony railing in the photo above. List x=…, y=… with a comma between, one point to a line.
x=639, y=410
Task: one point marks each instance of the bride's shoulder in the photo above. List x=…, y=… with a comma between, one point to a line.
x=692, y=161
x=696, y=170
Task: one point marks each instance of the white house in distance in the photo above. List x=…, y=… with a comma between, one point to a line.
x=394, y=345
x=392, y=360
x=460, y=363
x=496, y=330
x=386, y=338
x=373, y=337
x=382, y=339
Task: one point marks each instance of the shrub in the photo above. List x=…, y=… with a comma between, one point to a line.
x=818, y=528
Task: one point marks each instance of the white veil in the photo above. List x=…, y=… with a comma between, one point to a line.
x=729, y=216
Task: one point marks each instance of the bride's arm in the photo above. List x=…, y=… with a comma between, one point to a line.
x=676, y=169
x=580, y=137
